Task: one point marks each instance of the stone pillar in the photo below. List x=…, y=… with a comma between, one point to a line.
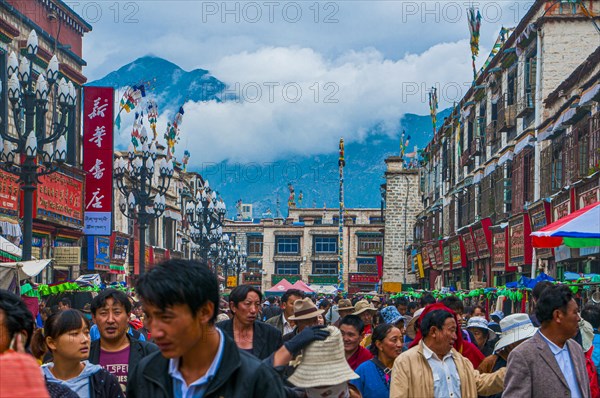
x=403, y=204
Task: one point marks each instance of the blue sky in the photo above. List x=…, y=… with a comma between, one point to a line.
x=324, y=68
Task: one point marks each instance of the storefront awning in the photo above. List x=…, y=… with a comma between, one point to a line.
x=9, y=251
x=589, y=95
x=524, y=143
x=506, y=156
x=28, y=269
x=489, y=169
x=576, y=230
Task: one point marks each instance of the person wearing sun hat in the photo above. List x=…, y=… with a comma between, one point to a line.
x=478, y=325
x=365, y=311
x=323, y=370
x=306, y=314
x=345, y=307
x=391, y=315
x=516, y=329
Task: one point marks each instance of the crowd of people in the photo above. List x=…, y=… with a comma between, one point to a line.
x=177, y=337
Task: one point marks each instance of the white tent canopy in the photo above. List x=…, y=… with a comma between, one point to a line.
x=12, y=273
x=9, y=247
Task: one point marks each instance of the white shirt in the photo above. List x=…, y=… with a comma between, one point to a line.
x=446, y=381
x=563, y=358
x=287, y=328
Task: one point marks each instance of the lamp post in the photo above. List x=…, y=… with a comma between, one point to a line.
x=145, y=200
x=29, y=101
x=205, y=215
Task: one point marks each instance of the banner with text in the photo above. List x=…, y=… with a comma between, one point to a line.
x=98, y=159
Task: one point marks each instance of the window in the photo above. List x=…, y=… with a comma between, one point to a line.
x=370, y=244
x=253, y=266
x=255, y=245
x=287, y=268
x=329, y=268
x=375, y=220
x=325, y=244
x=288, y=245
x=168, y=233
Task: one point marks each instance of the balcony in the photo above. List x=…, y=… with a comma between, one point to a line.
x=525, y=104
x=507, y=118
x=468, y=155
x=491, y=133
x=476, y=147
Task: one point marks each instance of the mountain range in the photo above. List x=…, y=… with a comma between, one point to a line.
x=266, y=186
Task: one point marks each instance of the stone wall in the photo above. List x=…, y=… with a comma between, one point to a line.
x=403, y=204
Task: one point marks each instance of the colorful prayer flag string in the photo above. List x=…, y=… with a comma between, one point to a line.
x=474, y=27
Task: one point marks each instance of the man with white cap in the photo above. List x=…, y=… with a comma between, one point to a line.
x=516, y=328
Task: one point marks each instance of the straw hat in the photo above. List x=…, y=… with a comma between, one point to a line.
x=305, y=309
x=362, y=306
x=323, y=363
x=344, y=305
x=376, y=299
x=411, y=330
x=514, y=327
x=480, y=322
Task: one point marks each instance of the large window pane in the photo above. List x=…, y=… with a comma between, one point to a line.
x=289, y=245
x=325, y=244
x=287, y=268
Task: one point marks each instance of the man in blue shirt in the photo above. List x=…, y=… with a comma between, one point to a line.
x=181, y=301
x=551, y=363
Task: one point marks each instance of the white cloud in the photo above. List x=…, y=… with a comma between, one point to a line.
x=299, y=102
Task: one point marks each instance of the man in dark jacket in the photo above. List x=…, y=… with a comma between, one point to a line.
x=282, y=322
x=181, y=300
x=116, y=351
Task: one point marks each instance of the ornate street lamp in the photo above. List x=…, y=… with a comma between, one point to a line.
x=143, y=186
x=205, y=215
x=30, y=99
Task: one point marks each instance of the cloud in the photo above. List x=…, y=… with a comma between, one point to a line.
x=295, y=101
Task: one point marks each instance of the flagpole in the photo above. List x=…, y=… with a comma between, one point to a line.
x=341, y=164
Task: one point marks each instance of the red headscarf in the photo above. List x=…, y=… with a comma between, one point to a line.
x=468, y=350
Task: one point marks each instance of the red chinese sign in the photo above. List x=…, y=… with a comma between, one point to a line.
x=500, y=249
x=9, y=194
x=469, y=245
x=98, y=159
x=58, y=199
x=364, y=278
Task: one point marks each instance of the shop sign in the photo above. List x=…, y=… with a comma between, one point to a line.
x=323, y=279
x=120, y=247
x=561, y=210
x=447, y=255
x=231, y=281
x=481, y=242
x=455, y=250
x=276, y=278
x=392, y=287
x=589, y=197
x=251, y=278
x=66, y=256
x=98, y=253
x=9, y=194
x=363, y=278
x=500, y=248
x=98, y=159
x=425, y=255
x=59, y=199
x=437, y=252
x=469, y=246
x=539, y=219
x=517, y=244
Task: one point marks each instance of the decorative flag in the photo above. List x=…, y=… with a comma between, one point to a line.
x=132, y=96
x=186, y=158
x=433, y=106
x=137, y=128
x=457, y=133
x=403, y=144
x=152, y=117
x=172, y=133
x=474, y=27
x=342, y=161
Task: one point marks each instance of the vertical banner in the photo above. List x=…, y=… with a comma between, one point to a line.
x=98, y=159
